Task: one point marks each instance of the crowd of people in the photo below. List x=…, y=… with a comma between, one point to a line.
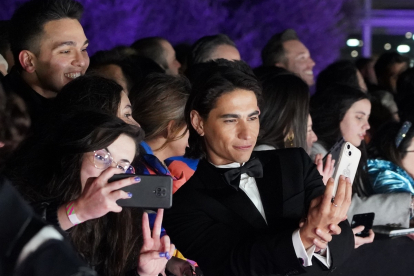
x=248, y=151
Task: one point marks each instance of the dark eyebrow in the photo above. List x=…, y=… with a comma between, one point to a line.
x=257, y=112
x=124, y=160
x=360, y=112
x=128, y=106
x=69, y=43
x=230, y=116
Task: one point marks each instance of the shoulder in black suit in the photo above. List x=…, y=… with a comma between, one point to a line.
x=221, y=229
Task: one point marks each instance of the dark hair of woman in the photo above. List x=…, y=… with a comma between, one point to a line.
x=285, y=109
x=50, y=171
x=382, y=145
x=327, y=111
x=342, y=72
x=157, y=100
x=202, y=48
x=89, y=92
x=14, y=123
x=209, y=81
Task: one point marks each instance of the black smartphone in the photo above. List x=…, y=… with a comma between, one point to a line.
x=335, y=151
x=154, y=191
x=366, y=219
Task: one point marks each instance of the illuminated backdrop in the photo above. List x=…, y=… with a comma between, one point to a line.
x=320, y=24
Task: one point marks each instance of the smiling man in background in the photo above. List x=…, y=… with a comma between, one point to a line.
x=49, y=48
x=287, y=51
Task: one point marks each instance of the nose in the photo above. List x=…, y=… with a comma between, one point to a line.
x=80, y=59
x=367, y=126
x=311, y=62
x=244, y=131
x=315, y=137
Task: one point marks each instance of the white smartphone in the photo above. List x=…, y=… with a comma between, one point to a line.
x=347, y=165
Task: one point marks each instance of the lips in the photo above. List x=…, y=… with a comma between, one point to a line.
x=73, y=75
x=243, y=147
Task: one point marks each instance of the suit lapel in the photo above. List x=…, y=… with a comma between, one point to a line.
x=236, y=201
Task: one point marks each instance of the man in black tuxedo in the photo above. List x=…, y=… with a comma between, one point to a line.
x=240, y=212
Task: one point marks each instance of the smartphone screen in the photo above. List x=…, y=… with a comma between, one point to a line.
x=366, y=219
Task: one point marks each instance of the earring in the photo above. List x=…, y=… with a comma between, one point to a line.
x=289, y=140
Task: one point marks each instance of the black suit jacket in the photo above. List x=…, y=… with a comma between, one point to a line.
x=221, y=229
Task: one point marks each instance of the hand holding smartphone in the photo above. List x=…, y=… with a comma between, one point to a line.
x=154, y=191
x=366, y=219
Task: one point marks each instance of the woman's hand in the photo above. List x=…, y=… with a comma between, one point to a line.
x=98, y=197
x=155, y=251
x=326, y=171
x=360, y=240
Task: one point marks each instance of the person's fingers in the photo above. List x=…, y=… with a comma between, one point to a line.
x=107, y=174
x=323, y=235
x=327, y=196
x=340, y=193
x=172, y=249
x=348, y=195
x=166, y=244
x=116, y=185
x=371, y=236
x=119, y=194
x=317, y=157
x=146, y=232
x=156, y=230
x=358, y=229
x=334, y=229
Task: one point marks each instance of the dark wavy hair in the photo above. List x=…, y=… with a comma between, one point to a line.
x=382, y=145
x=91, y=92
x=342, y=72
x=209, y=81
x=157, y=100
x=285, y=108
x=327, y=111
x=49, y=171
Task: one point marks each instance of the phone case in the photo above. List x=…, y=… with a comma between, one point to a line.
x=347, y=164
x=154, y=191
x=335, y=151
x=366, y=219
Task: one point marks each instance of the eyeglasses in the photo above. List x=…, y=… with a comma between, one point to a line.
x=103, y=159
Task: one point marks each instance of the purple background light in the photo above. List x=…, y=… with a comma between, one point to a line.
x=320, y=24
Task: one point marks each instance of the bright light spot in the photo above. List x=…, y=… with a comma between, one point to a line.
x=408, y=35
x=354, y=53
x=387, y=46
x=352, y=42
x=361, y=43
x=403, y=49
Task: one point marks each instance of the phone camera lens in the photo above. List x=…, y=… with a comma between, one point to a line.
x=348, y=146
x=349, y=153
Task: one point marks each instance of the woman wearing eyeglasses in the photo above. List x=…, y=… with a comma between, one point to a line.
x=391, y=168
x=69, y=168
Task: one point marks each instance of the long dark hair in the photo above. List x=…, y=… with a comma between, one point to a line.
x=327, y=111
x=285, y=108
x=50, y=171
x=209, y=81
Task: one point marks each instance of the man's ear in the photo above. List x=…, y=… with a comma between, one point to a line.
x=27, y=61
x=197, y=122
x=281, y=65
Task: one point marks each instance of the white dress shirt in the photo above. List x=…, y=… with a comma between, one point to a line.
x=249, y=186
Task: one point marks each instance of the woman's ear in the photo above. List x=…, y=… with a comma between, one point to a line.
x=197, y=122
x=27, y=61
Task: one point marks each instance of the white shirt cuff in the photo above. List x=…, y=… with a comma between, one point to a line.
x=306, y=255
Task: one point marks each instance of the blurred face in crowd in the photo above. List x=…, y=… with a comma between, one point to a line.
x=298, y=60
x=125, y=110
x=231, y=128
x=226, y=52
x=408, y=160
x=122, y=150
x=310, y=135
x=172, y=62
x=61, y=57
x=355, y=124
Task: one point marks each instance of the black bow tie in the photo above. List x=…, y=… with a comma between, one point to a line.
x=252, y=168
